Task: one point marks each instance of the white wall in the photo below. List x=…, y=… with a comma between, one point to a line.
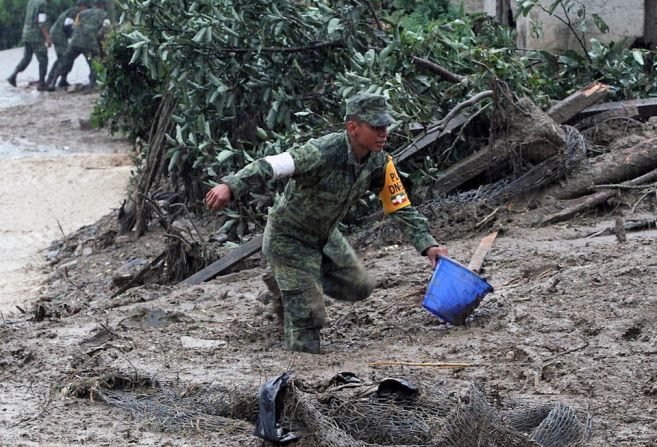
x=625, y=20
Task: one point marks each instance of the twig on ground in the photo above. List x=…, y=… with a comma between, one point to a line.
x=446, y=365
x=104, y=326
x=61, y=229
x=640, y=199
x=78, y=287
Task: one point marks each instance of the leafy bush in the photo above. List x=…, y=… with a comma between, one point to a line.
x=129, y=96
x=251, y=78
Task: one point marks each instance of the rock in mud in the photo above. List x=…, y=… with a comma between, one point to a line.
x=128, y=271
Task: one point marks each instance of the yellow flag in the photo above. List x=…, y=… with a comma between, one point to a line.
x=393, y=196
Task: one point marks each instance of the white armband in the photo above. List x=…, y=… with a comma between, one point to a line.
x=281, y=164
x=42, y=17
x=68, y=21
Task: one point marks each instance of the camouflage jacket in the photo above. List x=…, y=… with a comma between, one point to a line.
x=85, y=33
x=327, y=180
x=35, y=18
x=60, y=31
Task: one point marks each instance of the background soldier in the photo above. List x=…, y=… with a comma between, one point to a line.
x=60, y=32
x=305, y=250
x=35, y=38
x=84, y=40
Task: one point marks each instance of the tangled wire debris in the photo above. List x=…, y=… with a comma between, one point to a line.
x=349, y=416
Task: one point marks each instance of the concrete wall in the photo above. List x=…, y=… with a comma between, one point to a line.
x=472, y=6
x=624, y=18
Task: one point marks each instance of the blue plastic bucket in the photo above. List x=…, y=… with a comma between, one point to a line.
x=454, y=291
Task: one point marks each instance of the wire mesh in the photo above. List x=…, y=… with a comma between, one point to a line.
x=356, y=418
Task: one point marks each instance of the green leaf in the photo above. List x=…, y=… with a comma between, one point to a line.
x=334, y=25
x=600, y=23
x=174, y=160
x=262, y=133
x=224, y=155
x=638, y=56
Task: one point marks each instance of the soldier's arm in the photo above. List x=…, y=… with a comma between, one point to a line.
x=293, y=162
x=42, y=21
x=397, y=205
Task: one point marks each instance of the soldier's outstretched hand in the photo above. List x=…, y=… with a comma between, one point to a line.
x=218, y=197
x=433, y=253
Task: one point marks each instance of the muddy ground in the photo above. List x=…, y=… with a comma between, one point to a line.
x=571, y=320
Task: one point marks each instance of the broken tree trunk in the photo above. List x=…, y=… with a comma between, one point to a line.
x=578, y=101
x=454, y=119
x=576, y=206
x=612, y=167
x=155, y=160
x=530, y=132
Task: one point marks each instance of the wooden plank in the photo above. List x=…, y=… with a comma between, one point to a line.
x=645, y=108
x=232, y=258
x=480, y=254
x=578, y=101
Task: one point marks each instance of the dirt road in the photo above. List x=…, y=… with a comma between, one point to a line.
x=53, y=174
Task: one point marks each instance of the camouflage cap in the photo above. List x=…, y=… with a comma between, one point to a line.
x=373, y=109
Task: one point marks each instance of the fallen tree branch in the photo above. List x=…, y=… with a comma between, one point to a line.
x=576, y=206
x=460, y=106
x=611, y=168
x=134, y=281
x=578, y=101
x=440, y=71
x=373, y=11
x=621, y=186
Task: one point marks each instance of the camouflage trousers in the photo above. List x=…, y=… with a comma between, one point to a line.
x=303, y=274
x=38, y=49
x=64, y=67
x=60, y=48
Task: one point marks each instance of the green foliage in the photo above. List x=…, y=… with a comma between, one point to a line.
x=129, y=96
x=12, y=17
x=253, y=77
x=417, y=14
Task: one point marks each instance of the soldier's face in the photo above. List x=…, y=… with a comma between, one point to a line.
x=367, y=136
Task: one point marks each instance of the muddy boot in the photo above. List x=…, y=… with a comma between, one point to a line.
x=63, y=83
x=12, y=79
x=43, y=87
x=302, y=340
x=276, y=301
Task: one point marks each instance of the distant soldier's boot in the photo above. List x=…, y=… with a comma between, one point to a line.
x=63, y=82
x=12, y=79
x=276, y=300
x=43, y=69
x=43, y=87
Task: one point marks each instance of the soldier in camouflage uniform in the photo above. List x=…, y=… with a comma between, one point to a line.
x=35, y=38
x=60, y=32
x=89, y=23
x=305, y=250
